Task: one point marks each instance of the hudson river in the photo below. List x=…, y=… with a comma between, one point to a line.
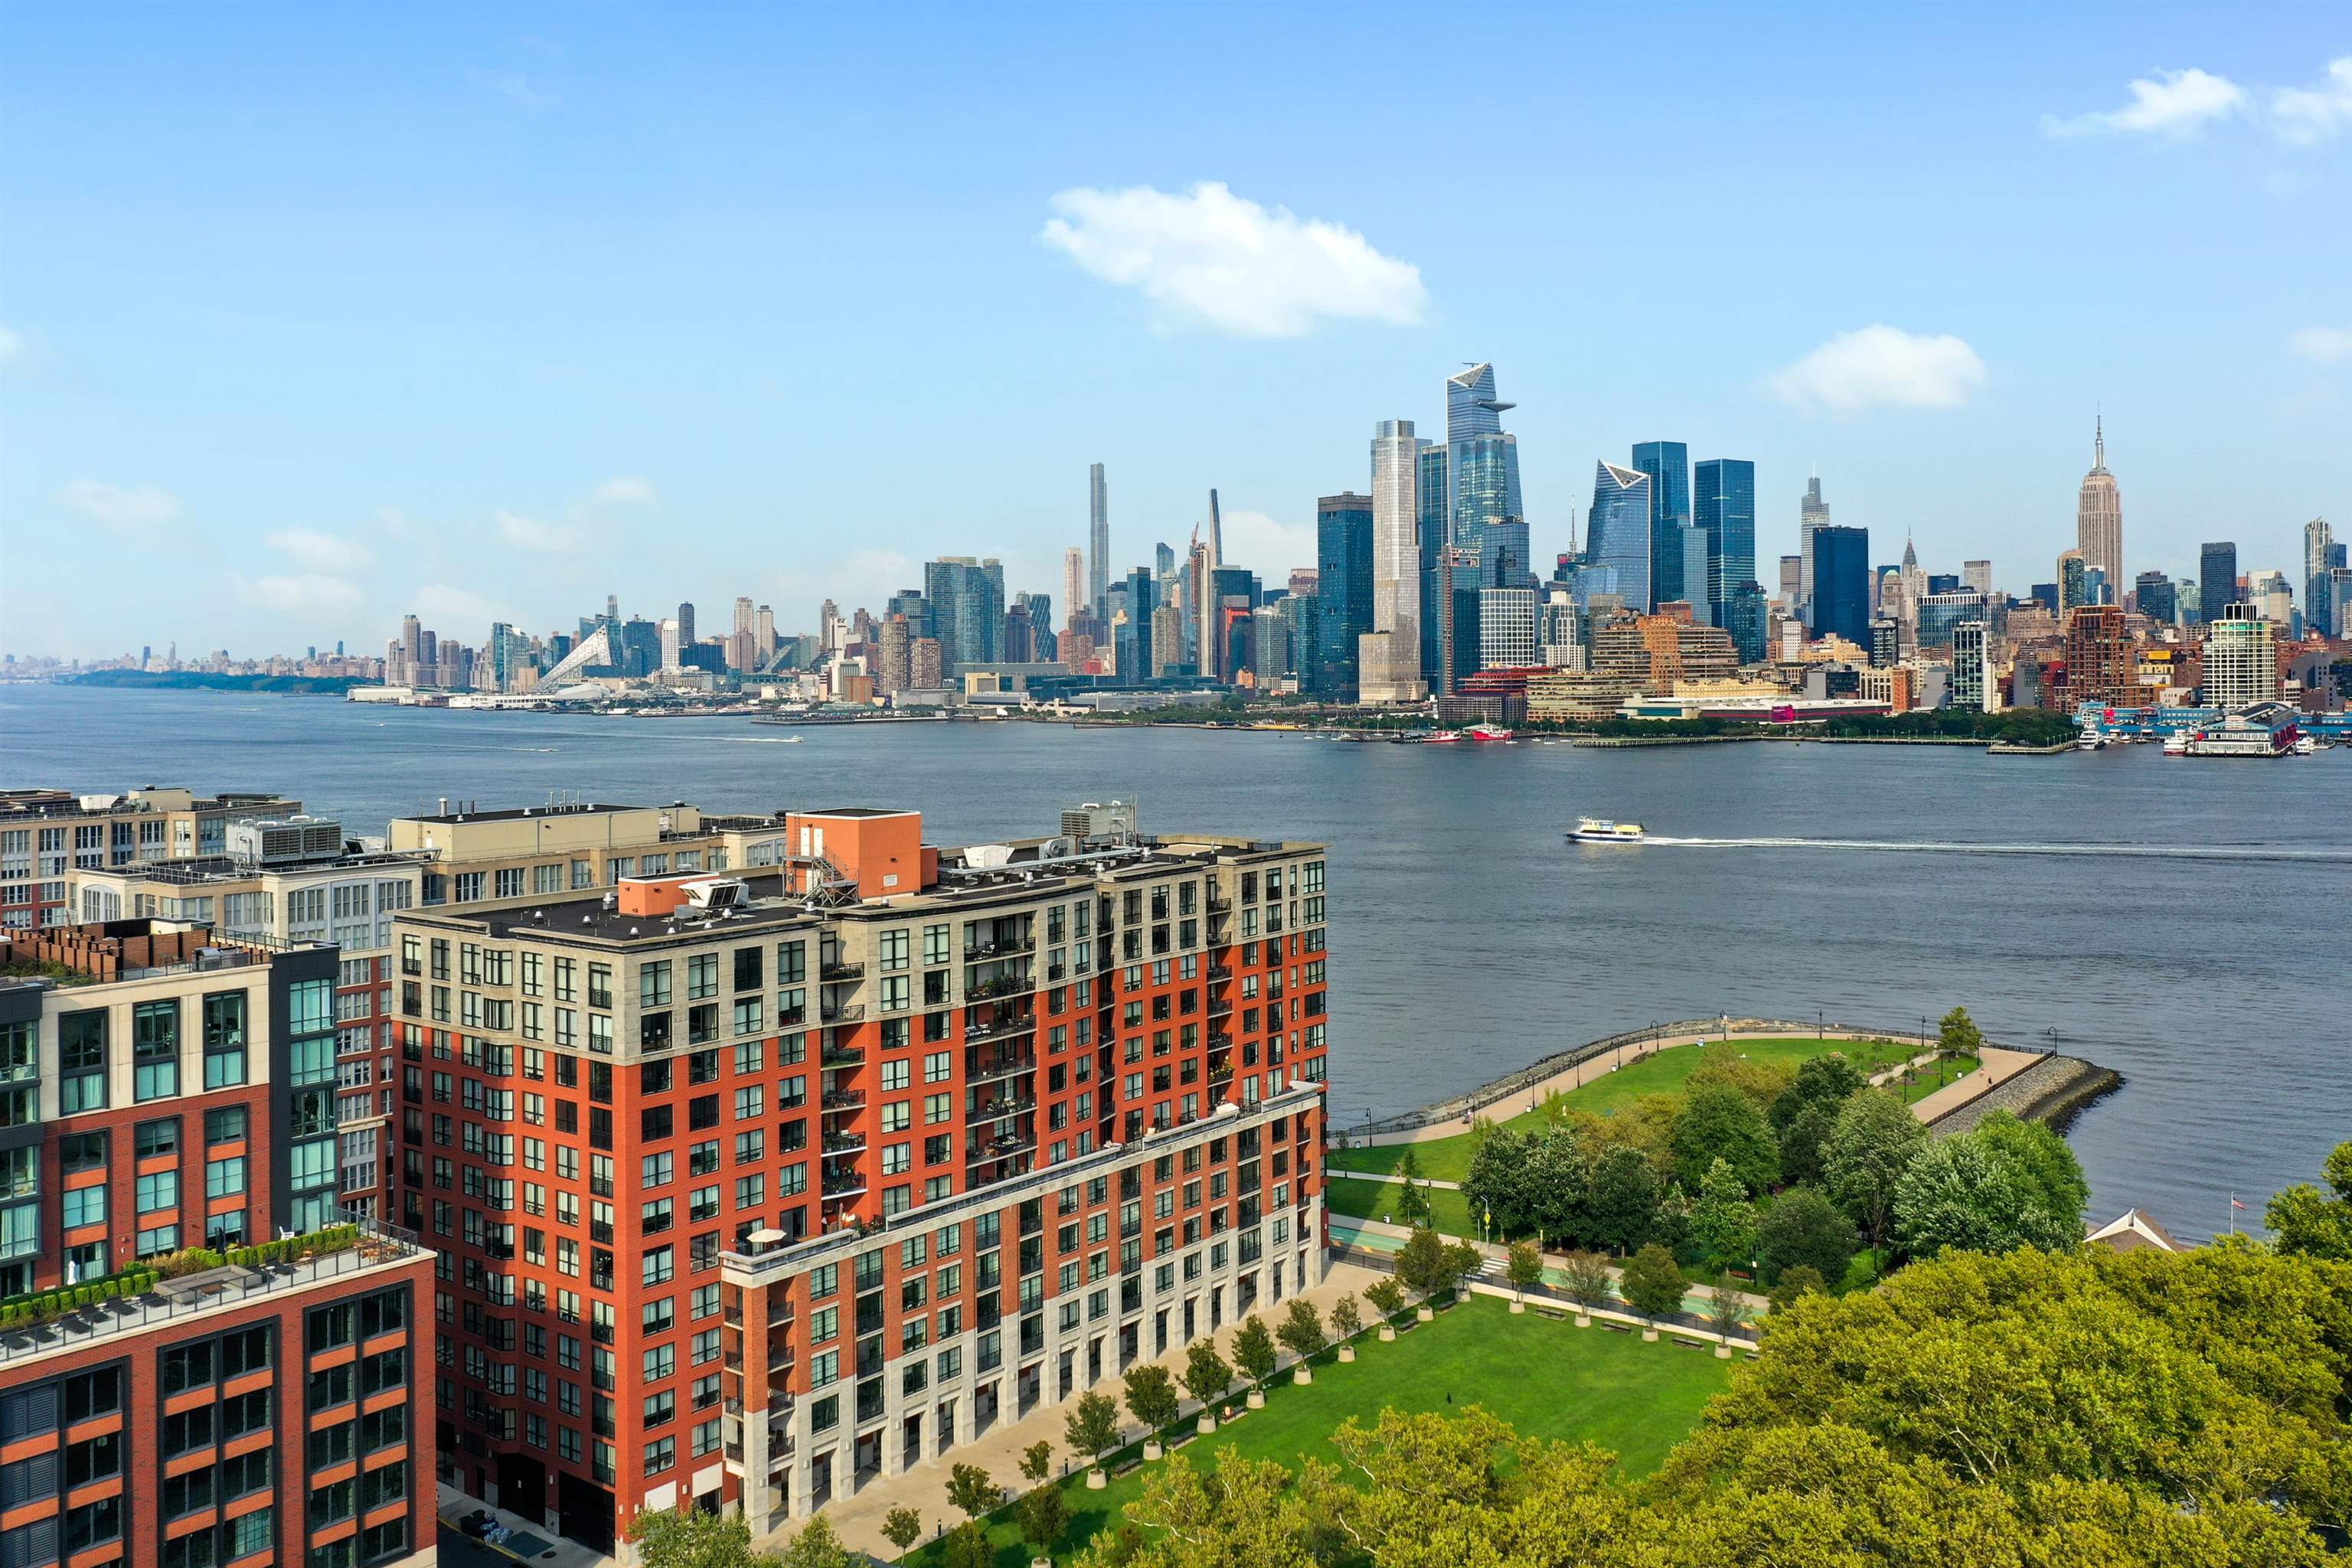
x=2185, y=922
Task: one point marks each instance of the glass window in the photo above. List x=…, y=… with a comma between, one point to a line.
x=155, y=1050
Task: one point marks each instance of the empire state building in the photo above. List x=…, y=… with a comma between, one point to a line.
x=2099, y=519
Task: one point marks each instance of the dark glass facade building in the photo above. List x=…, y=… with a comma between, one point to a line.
x=1343, y=590
x=1841, y=584
x=1618, y=534
x=1667, y=464
x=2217, y=580
x=1724, y=504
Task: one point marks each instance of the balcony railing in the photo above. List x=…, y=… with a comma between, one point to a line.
x=842, y=1143
x=980, y=953
x=841, y=969
x=843, y=1099
x=847, y=1187
x=1000, y=1108
x=1000, y=1148
x=841, y=1057
x=1024, y=1023
x=848, y=1014
x=989, y=1072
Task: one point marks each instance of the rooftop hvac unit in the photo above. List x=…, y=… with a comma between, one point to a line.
x=988, y=857
x=1095, y=822
x=715, y=895
x=289, y=841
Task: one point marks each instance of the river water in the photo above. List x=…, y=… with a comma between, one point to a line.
x=2185, y=922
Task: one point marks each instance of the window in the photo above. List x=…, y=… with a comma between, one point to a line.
x=155, y=1050
x=225, y=1125
x=224, y=1026
x=84, y=1205
x=159, y=1193
x=224, y=1177
x=81, y=1061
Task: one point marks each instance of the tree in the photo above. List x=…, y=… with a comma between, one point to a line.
x=1497, y=1180
x=1719, y=1123
x=1386, y=1296
x=1206, y=1375
x=1302, y=1329
x=1869, y=1147
x=689, y=1538
x=1804, y=1229
x=1727, y=1313
x=1346, y=1318
x=1421, y=1263
x=967, y=1546
x=1253, y=1350
x=1724, y=1066
x=1959, y=1035
x=1623, y=1206
x=1723, y=1222
x=1803, y=1138
x=1523, y=1268
x=1092, y=1427
x=2003, y=1184
x=1037, y=1460
x=816, y=1546
x=1797, y=1279
x=1462, y=1261
x=1045, y=1514
x=1554, y=1188
x=1152, y=1397
x=1830, y=1079
x=902, y=1527
x=1585, y=1276
x=971, y=1494
x=1653, y=1284
x=1413, y=1201
x=2309, y=1222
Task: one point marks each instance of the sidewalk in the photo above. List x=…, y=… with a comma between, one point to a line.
x=2000, y=1065
x=532, y=1542
x=1376, y=1237
x=924, y=1487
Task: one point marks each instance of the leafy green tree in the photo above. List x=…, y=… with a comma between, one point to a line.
x=1829, y=1079
x=1301, y=1332
x=1804, y=1229
x=1801, y=1140
x=2044, y=1156
x=967, y=1546
x=1585, y=1276
x=1523, y=1268
x=1206, y=1374
x=816, y=1546
x=1719, y=1123
x=1497, y=1180
x=1958, y=1033
x=1386, y=1296
x=689, y=1538
x=1796, y=1281
x=1045, y=1514
x=1727, y=1312
x=1421, y=1263
x=1151, y=1396
x=1346, y=1318
x=1723, y=1222
x=1869, y=1147
x=1462, y=1261
x=902, y=1527
x=1254, y=1350
x=2314, y=1224
x=1653, y=1283
x=1623, y=1206
x=1555, y=1188
x=1092, y=1427
x=971, y=1494
x=2003, y=1184
x=1038, y=1462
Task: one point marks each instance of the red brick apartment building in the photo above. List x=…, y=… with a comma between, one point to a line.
x=756, y=1178
x=163, y=1088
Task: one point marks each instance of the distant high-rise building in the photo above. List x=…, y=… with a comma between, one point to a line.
x=1506, y=628
x=1841, y=584
x=1343, y=569
x=1163, y=570
x=2216, y=579
x=2074, y=581
x=2318, y=595
x=967, y=600
x=1723, y=503
x=2186, y=593
x=1560, y=634
x=1668, y=465
x=894, y=669
x=2153, y=594
x=1940, y=613
x=1208, y=636
x=1389, y=656
x=1303, y=580
x=2100, y=663
x=1978, y=574
x=2099, y=513
x=1747, y=619
x=1793, y=580
x=1483, y=514
x=1433, y=466
x=1971, y=675
x=1040, y=607
x=1077, y=591
x=1813, y=514
x=1167, y=639
x=1098, y=544
x=1617, y=539
x=684, y=625
x=2269, y=592
x=2045, y=594
x=2241, y=656
x=412, y=647
x=1885, y=642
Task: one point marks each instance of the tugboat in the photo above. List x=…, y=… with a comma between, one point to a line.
x=1444, y=738
x=1489, y=732
x=1601, y=830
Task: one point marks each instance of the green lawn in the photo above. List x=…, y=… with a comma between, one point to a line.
x=1448, y=1159
x=1378, y=1200
x=1546, y=1378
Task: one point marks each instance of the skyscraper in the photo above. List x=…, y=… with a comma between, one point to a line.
x=1209, y=636
x=1668, y=465
x=1097, y=543
x=1723, y=503
x=1841, y=584
x=1617, y=541
x=684, y=625
x=2216, y=579
x=2241, y=656
x=2318, y=594
x=1483, y=511
x=2152, y=592
x=2074, y=581
x=1813, y=514
x=1343, y=565
x=1076, y=592
x=967, y=600
x=1978, y=574
x=1389, y=656
x=1971, y=682
x=2099, y=515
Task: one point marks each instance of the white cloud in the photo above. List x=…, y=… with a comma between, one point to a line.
x=302, y=591
x=1267, y=545
x=1881, y=367
x=530, y=533
x=322, y=551
x=126, y=509
x=1208, y=257
x=12, y=345
x=460, y=613
x=2302, y=115
x=2321, y=345
x=625, y=490
x=2169, y=103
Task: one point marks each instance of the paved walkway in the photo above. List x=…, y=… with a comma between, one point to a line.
x=1377, y=1237
x=555, y=1551
x=2000, y=1065
x=924, y=1487
x=1391, y=1176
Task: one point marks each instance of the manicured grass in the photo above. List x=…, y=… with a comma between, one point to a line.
x=1546, y=1378
x=1448, y=1159
x=1379, y=1199
x=1949, y=1071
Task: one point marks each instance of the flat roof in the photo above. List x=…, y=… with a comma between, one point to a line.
x=515, y=814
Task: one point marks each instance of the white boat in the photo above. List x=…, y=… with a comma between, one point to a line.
x=2305, y=745
x=2091, y=741
x=1601, y=830
x=2177, y=744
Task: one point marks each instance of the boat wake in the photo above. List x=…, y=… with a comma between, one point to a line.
x=1954, y=847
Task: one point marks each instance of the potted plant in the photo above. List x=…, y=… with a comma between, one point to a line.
x=1585, y=1276
x=1093, y=1425
x=1152, y=1399
x=1725, y=1313
x=1253, y=1353
x=1424, y=1266
x=1206, y=1378
x=1347, y=1323
x=1387, y=1298
x=1524, y=1268
x=1302, y=1335
x=1653, y=1285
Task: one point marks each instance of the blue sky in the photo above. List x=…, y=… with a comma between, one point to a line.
x=311, y=316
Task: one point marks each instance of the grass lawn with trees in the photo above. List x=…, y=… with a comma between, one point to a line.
x=1545, y=1377
x=1448, y=1159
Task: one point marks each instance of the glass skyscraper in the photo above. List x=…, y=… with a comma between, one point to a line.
x=1430, y=467
x=1668, y=465
x=1343, y=584
x=967, y=600
x=2217, y=580
x=1841, y=584
x=1618, y=538
x=1723, y=503
x=1482, y=510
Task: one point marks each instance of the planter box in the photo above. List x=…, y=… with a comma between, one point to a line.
x=1582, y=1321
x=1257, y=1400
x=1305, y=1374
x=1207, y=1423
x=1388, y=1330
x=1097, y=1480
x=1723, y=1352
x=1427, y=1314
x=1519, y=1306
x=1347, y=1353
x=1151, y=1451
x=1650, y=1334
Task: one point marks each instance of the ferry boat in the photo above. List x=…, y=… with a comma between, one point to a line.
x=2091, y=741
x=2177, y=744
x=2265, y=730
x=1601, y=830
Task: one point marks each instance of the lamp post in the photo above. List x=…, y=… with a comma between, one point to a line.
x=1821, y=1023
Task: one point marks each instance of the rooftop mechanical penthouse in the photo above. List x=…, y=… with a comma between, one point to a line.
x=755, y=1183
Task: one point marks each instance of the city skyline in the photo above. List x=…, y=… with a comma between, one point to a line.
x=286, y=437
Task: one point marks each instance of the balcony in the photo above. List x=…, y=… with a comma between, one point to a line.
x=1220, y=1006
x=1218, y=906
x=1001, y=1107
x=837, y=1056
x=1024, y=1024
x=843, y=1013
x=999, y=1148
x=1013, y=984
x=837, y=1143
x=845, y=1187
x=843, y=1099
x=980, y=953
x=979, y=1072
x=1218, y=971
x=841, y=970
